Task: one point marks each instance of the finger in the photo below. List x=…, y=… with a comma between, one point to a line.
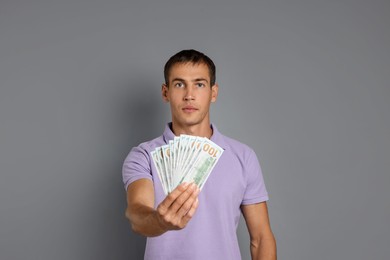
x=167, y=202
x=182, y=198
x=187, y=205
x=187, y=217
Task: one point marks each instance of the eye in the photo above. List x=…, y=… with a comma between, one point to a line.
x=200, y=85
x=179, y=85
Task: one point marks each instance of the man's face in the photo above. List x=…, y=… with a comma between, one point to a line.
x=189, y=94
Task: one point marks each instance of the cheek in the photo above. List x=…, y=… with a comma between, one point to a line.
x=206, y=97
x=174, y=101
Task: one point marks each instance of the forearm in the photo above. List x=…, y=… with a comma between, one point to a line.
x=263, y=249
x=144, y=221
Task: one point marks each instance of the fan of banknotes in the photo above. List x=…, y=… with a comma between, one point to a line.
x=185, y=159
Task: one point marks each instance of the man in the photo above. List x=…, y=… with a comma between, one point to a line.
x=189, y=223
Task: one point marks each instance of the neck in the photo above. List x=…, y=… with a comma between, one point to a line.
x=196, y=130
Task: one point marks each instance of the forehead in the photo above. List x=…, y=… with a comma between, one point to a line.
x=189, y=71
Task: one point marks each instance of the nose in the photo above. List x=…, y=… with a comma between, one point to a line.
x=189, y=95
x=188, y=98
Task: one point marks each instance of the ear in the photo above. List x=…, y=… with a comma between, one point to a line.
x=164, y=92
x=214, y=93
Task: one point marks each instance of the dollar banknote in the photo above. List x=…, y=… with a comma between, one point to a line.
x=186, y=158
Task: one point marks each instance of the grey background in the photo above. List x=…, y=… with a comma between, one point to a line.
x=305, y=83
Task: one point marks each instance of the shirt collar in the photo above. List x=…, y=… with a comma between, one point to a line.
x=217, y=137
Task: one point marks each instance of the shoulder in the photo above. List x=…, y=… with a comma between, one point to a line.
x=143, y=150
x=238, y=148
x=151, y=144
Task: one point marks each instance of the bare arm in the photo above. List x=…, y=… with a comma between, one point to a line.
x=173, y=213
x=263, y=244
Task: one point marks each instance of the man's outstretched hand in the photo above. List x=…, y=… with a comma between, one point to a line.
x=177, y=209
x=173, y=213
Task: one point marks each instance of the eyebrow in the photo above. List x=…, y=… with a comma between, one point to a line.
x=195, y=80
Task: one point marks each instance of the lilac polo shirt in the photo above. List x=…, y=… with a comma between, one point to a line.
x=211, y=234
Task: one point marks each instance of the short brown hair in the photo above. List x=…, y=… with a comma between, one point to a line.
x=192, y=56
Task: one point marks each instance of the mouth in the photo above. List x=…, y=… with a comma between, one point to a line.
x=189, y=109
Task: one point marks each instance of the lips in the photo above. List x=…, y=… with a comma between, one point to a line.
x=189, y=109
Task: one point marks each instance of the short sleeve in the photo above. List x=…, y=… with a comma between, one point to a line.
x=255, y=191
x=136, y=166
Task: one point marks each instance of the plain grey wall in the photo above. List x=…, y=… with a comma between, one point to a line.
x=305, y=83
